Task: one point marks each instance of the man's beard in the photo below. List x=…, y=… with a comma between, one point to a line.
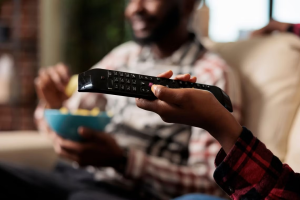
x=170, y=22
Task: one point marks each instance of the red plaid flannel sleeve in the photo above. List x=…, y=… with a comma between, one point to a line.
x=251, y=171
x=296, y=29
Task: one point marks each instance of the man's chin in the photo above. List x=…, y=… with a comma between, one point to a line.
x=143, y=40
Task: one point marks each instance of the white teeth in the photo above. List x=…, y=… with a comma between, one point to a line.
x=139, y=25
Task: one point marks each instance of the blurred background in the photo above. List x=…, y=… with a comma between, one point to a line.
x=39, y=33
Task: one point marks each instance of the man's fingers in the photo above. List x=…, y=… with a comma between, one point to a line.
x=57, y=79
x=87, y=133
x=45, y=82
x=70, y=145
x=167, y=74
x=63, y=71
x=65, y=154
x=37, y=84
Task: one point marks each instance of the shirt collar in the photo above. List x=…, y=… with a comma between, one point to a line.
x=176, y=58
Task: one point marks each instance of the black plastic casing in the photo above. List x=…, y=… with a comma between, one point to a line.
x=99, y=81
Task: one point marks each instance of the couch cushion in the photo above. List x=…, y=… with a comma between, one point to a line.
x=27, y=148
x=269, y=69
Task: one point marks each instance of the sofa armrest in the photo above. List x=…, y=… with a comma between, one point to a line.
x=27, y=148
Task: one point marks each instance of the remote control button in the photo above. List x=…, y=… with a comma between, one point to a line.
x=122, y=87
x=146, y=78
x=187, y=85
x=128, y=88
x=150, y=78
x=122, y=80
x=127, y=75
x=109, y=73
x=103, y=78
x=134, y=82
x=148, y=91
x=110, y=84
x=127, y=81
x=134, y=89
x=143, y=83
x=150, y=84
x=142, y=77
x=116, y=86
x=143, y=90
x=116, y=73
x=121, y=74
x=133, y=76
x=173, y=81
x=158, y=79
x=180, y=83
x=116, y=79
x=198, y=86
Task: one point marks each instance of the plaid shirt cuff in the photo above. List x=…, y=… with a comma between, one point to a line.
x=249, y=170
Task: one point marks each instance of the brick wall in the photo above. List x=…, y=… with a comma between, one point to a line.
x=23, y=45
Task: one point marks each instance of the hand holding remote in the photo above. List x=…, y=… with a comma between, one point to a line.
x=193, y=107
x=139, y=86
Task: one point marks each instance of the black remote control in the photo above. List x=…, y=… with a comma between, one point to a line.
x=138, y=86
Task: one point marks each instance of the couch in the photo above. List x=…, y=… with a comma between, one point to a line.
x=269, y=70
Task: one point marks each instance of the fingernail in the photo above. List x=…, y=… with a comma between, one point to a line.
x=153, y=88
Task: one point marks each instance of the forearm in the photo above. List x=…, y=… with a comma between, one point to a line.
x=224, y=128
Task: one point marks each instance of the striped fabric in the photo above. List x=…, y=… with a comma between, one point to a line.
x=250, y=172
x=165, y=160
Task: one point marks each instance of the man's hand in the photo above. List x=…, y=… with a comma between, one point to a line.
x=271, y=27
x=193, y=107
x=51, y=85
x=99, y=149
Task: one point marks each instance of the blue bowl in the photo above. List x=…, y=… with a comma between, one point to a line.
x=66, y=125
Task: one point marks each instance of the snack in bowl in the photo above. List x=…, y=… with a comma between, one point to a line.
x=66, y=123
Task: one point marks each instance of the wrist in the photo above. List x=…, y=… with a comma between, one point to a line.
x=227, y=131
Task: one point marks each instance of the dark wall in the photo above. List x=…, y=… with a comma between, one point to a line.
x=91, y=29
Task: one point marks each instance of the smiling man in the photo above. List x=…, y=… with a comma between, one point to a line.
x=139, y=156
